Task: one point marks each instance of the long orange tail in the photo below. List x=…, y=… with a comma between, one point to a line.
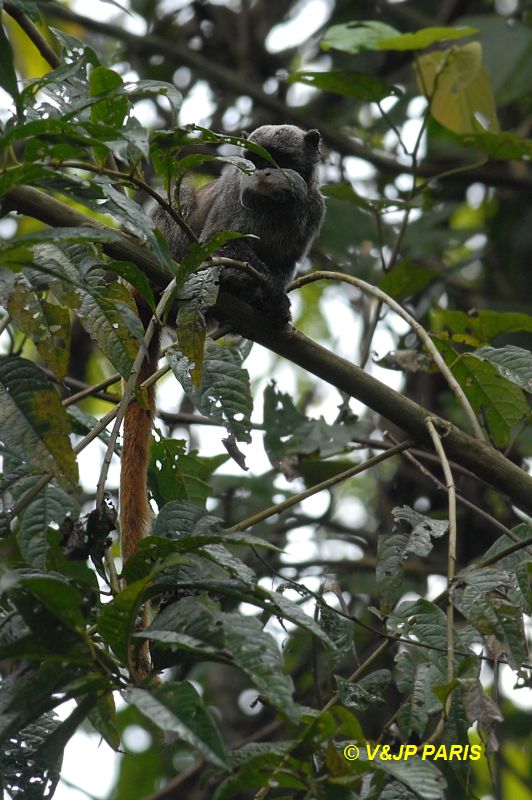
x=135, y=511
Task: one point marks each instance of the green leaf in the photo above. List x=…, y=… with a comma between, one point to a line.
x=423, y=530
x=516, y=563
x=191, y=334
x=290, y=610
x=181, y=641
x=424, y=38
x=484, y=597
x=198, y=253
x=101, y=307
x=46, y=324
x=189, y=527
x=394, y=550
x=21, y=773
x=257, y=772
x=103, y=720
x=103, y=80
x=52, y=504
x=113, y=108
x=420, y=620
x=290, y=433
x=354, y=37
x=501, y=403
x=32, y=420
x=349, y=83
x=241, y=638
x=414, y=681
x=23, y=173
x=63, y=235
x=134, y=276
x=51, y=750
x=367, y=692
x=406, y=279
x=513, y=363
x=175, y=474
x=458, y=88
x=60, y=597
x=30, y=8
x=422, y=777
x=194, y=619
x=178, y=708
x=257, y=654
x=339, y=630
x=397, y=791
x=224, y=393
x=220, y=555
x=134, y=218
x=8, y=76
x=102, y=314
x=502, y=145
x=30, y=692
x=481, y=326
x=117, y=618
x=177, y=520
x=148, y=88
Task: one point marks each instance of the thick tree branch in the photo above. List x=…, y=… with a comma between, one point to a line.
x=31, y=30
x=40, y=205
x=219, y=75
x=479, y=457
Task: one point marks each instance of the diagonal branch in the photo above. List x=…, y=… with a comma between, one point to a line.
x=479, y=457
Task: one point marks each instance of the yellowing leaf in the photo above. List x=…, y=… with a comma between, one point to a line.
x=459, y=89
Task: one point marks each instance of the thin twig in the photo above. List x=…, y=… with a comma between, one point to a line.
x=451, y=565
x=4, y=322
x=138, y=183
x=414, y=324
x=318, y=487
x=410, y=455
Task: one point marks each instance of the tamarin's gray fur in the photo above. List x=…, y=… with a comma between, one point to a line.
x=282, y=207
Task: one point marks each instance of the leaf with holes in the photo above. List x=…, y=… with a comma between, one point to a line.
x=224, y=393
x=52, y=504
x=33, y=422
x=46, y=324
x=106, y=310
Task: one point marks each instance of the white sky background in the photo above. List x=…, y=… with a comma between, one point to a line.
x=88, y=763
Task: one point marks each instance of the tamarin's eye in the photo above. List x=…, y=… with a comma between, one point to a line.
x=260, y=163
x=283, y=160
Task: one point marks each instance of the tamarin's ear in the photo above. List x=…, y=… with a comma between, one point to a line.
x=312, y=139
x=245, y=134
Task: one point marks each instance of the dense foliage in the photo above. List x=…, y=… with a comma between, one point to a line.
x=351, y=593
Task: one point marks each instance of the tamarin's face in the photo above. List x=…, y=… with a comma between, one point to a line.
x=278, y=189
x=291, y=148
